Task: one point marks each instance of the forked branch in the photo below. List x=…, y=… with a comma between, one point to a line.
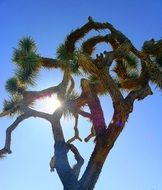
x=76, y=131
x=79, y=159
x=28, y=113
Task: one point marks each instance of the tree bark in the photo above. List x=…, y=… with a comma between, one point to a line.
x=65, y=172
x=103, y=146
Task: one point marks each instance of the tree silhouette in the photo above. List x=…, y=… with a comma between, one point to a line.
x=124, y=74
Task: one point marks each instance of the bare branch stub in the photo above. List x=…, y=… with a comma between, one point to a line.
x=52, y=164
x=92, y=134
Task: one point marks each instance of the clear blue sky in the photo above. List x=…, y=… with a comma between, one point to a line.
x=135, y=163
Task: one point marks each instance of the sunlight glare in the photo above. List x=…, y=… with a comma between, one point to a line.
x=47, y=104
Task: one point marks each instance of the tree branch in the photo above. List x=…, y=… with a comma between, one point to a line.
x=155, y=73
x=92, y=134
x=93, y=169
x=79, y=159
x=8, y=112
x=39, y=114
x=84, y=114
x=152, y=47
x=76, y=131
x=9, y=130
x=30, y=96
x=101, y=150
x=50, y=63
x=113, y=90
x=138, y=94
x=61, y=148
x=27, y=113
x=11, y=111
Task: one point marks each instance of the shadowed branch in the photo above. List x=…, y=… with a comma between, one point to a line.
x=79, y=159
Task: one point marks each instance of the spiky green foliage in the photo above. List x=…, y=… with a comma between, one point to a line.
x=68, y=60
x=62, y=54
x=16, y=57
x=74, y=67
x=26, y=60
x=128, y=67
x=7, y=105
x=131, y=61
x=13, y=86
x=27, y=44
x=25, y=55
x=27, y=77
x=12, y=102
x=117, y=82
x=68, y=108
x=155, y=75
x=133, y=74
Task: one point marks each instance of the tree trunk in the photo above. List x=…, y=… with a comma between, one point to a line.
x=94, y=168
x=65, y=172
x=103, y=146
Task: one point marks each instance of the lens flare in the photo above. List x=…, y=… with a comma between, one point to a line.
x=47, y=104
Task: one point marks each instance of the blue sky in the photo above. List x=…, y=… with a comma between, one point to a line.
x=135, y=163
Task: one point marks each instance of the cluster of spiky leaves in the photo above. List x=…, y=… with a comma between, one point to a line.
x=10, y=104
x=131, y=66
x=13, y=86
x=27, y=61
x=69, y=61
x=131, y=61
x=100, y=86
x=68, y=108
x=27, y=64
x=27, y=77
x=134, y=74
x=126, y=69
x=118, y=83
x=155, y=75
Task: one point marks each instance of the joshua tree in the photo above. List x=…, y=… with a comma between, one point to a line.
x=123, y=74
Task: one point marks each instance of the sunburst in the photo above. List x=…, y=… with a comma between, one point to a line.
x=47, y=104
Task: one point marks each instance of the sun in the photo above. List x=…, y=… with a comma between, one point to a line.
x=47, y=104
